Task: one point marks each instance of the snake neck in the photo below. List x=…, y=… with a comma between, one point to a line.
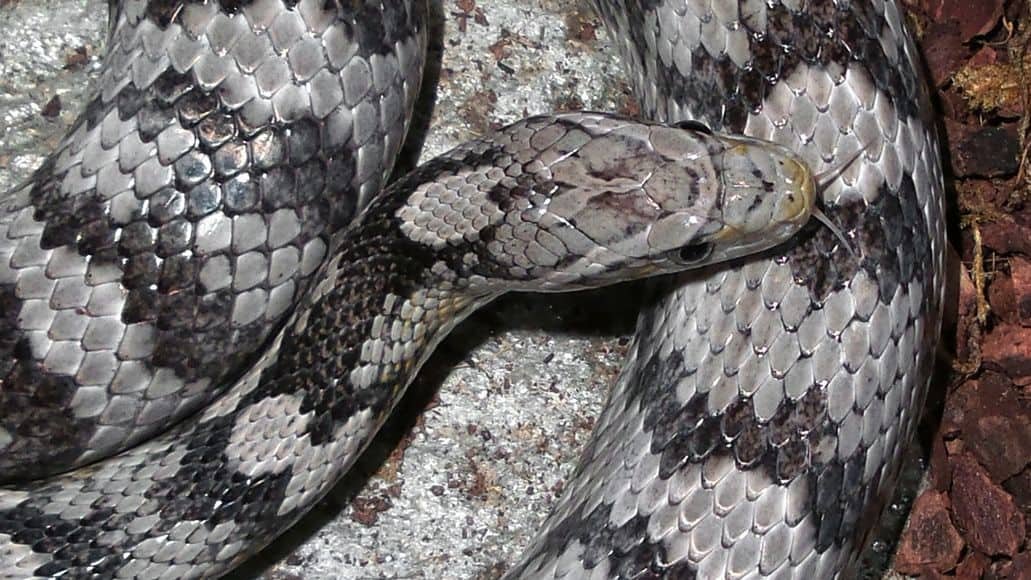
x=382, y=304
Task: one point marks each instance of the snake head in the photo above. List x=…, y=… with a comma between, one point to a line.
x=620, y=200
x=768, y=194
x=583, y=200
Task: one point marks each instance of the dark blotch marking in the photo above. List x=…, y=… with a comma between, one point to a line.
x=239, y=195
x=216, y=130
x=129, y=102
x=72, y=544
x=626, y=548
x=694, y=253
x=887, y=236
x=230, y=172
x=36, y=404
x=377, y=27
x=817, y=258
x=375, y=259
x=721, y=93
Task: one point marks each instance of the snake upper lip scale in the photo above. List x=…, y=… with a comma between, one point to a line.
x=204, y=207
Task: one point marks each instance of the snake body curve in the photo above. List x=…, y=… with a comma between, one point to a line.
x=759, y=420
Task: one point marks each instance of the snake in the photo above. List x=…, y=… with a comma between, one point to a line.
x=212, y=247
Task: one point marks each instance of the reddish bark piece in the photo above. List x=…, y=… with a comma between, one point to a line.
x=1019, y=486
x=1002, y=295
x=990, y=418
x=965, y=321
x=1020, y=274
x=975, y=398
x=955, y=447
x=953, y=104
x=975, y=18
x=972, y=567
x=1002, y=443
x=985, y=514
x=1007, y=348
x=1009, y=237
x=977, y=193
x=940, y=474
x=983, y=151
x=1021, y=569
x=984, y=56
x=943, y=50
x=930, y=541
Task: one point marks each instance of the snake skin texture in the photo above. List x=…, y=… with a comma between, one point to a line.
x=758, y=424
x=184, y=214
x=568, y=202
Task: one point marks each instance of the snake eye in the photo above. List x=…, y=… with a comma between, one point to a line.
x=691, y=255
x=692, y=125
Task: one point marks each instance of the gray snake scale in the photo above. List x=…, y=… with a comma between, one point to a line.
x=178, y=259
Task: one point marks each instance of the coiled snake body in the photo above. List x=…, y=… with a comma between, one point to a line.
x=758, y=423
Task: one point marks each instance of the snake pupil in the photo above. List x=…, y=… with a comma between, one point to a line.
x=694, y=253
